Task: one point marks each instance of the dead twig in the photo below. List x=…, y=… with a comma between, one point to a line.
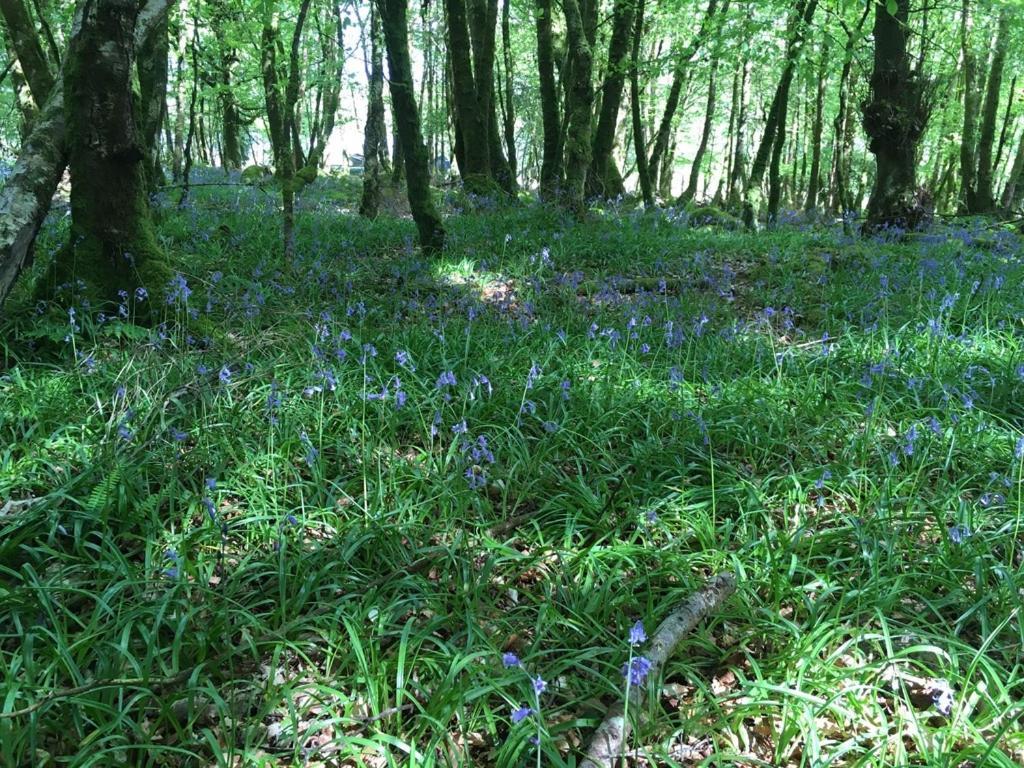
x=606, y=745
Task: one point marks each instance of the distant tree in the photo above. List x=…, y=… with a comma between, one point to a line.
x=895, y=117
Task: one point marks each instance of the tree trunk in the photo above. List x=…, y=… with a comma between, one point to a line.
x=738, y=172
x=471, y=121
x=894, y=120
x=605, y=179
x=373, y=131
x=152, y=72
x=509, y=111
x=577, y=160
x=407, y=121
x=334, y=62
x=230, y=119
x=968, y=157
x=1004, y=132
x=27, y=192
x=683, y=58
x=709, y=118
x=816, y=133
x=29, y=50
x=113, y=243
x=775, y=127
x=840, y=184
x=551, y=161
x=985, y=194
x=639, y=142
x=1013, y=192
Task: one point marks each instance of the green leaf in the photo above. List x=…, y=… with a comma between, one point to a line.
x=891, y=7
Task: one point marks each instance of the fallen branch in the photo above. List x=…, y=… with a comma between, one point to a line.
x=14, y=505
x=606, y=745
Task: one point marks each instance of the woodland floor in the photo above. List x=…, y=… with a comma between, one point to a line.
x=300, y=522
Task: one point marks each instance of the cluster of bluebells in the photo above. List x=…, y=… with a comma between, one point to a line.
x=638, y=667
x=537, y=684
x=477, y=455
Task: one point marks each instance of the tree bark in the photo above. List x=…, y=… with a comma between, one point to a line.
x=840, y=185
x=605, y=179
x=471, y=121
x=578, y=155
x=152, y=71
x=551, y=159
x=738, y=171
x=894, y=120
x=1013, y=192
x=373, y=131
x=639, y=142
x=407, y=122
x=968, y=145
x=984, y=195
x=27, y=46
x=509, y=111
x=818, y=130
x=683, y=59
x=709, y=118
x=113, y=242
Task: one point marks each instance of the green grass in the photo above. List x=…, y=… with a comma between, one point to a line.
x=348, y=600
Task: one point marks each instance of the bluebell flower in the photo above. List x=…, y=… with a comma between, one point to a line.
x=446, y=379
x=202, y=370
x=177, y=435
x=959, y=533
x=460, y=428
x=509, y=660
x=1018, y=449
x=637, y=634
x=566, y=385
x=292, y=519
x=124, y=433
x=636, y=670
x=539, y=685
x=224, y=375
x=532, y=376
x=521, y=714
x=211, y=508
x=211, y=483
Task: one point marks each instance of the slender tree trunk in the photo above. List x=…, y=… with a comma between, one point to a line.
x=819, y=125
x=1013, y=192
x=373, y=131
x=551, y=162
x=738, y=175
x=968, y=142
x=578, y=154
x=709, y=118
x=894, y=120
x=985, y=194
x=605, y=179
x=26, y=44
x=1004, y=132
x=509, y=112
x=683, y=59
x=639, y=142
x=177, y=158
x=840, y=153
x=113, y=243
x=407, y=120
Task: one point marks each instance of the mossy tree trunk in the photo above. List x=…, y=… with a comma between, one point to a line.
x=509, y=112
x=393, y=15
x=113, y=244
x=551, y=155
x=373, y=135
x=227, y=59
x=604, y=179
x=840, y=200
x=577, y=140
x=471, y=121
x=1013, y=192
x=894, y=120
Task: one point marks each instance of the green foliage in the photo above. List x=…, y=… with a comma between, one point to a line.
x=344, y=591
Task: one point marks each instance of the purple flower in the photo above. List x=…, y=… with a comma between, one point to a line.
x=460, y=428
x=211, y=509
x=637, y=634
x=532, y=376
x=446, y=379
x=539, y=685
x=224, y=375
x=177, y=435
x=521, y=714
x=1018, y=449
x=958, y=534
x=510, y=660
x=636, y=670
